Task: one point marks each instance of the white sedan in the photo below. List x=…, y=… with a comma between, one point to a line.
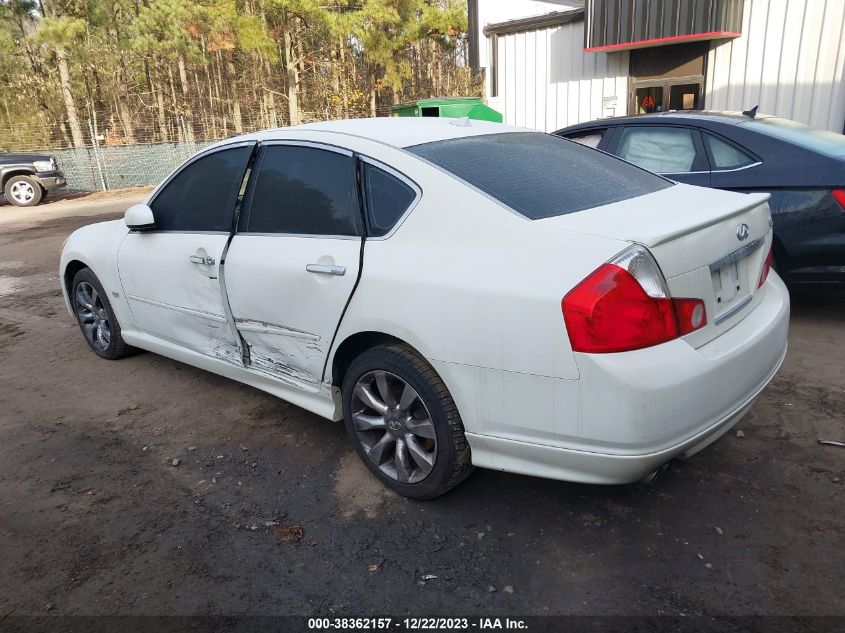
x=461, y=293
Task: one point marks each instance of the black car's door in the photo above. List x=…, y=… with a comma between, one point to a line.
x=673, y=151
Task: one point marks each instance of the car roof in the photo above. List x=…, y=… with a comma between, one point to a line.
x=677, y=117
x=395, y=131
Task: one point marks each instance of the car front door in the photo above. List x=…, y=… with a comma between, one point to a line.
x=293, y=263
x=672, y=151
x=170, y=274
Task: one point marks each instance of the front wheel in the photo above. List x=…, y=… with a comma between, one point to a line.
x=23, y=191
x=96, y=317
x=404, y=423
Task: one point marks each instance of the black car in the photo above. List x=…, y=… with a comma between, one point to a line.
x=26, y=178
x=803, y=169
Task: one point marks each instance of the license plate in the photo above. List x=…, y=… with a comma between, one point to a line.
x=727, y=284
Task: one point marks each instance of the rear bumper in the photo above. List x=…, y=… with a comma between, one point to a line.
x=817, y=275
x=597, y=468
x=635, y=411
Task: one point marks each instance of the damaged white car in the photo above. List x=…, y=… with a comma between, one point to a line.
x=460, y=293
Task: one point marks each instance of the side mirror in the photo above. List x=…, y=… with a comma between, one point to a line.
x=139, y=217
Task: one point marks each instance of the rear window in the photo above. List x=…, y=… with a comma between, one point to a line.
x=540, y=175
x=822, y=141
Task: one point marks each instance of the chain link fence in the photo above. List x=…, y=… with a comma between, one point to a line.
x=99, y=168
x=108, y=162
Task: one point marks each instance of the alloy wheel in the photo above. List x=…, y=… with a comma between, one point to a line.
x=92, y=316
x=22, y=192
x=394, y=426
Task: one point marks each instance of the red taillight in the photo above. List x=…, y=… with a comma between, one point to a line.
x=839, y=195
x=690, y=313
x=767, y=266
x=610, y=311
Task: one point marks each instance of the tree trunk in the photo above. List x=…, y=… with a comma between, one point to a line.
x=271, y=109
x=292, y=76
x=299, y=55
x=231, y=74
x=236, y=117
x=183, y=75
x=162, y=118
x=180, y=130
x=189, y=117
x=67, y=95
x=344, y=88
x=125, y=120
x=334, y=60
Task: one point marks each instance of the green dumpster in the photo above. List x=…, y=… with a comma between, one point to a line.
x=454, y=107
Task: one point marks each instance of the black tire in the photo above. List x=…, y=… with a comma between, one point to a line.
x=16, y=187
x=453, y=460
x=116, y=347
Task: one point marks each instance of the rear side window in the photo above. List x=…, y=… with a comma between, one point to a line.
x=540, y=175
x=590, y=139
x=663, y=150
x=202, y=196
x=388, y=198
x=725, y=155
x=303, y=191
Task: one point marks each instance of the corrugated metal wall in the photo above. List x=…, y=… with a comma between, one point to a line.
x=547, y=81
x=790, y=61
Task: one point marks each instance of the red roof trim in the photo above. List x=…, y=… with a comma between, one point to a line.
x=663, y=40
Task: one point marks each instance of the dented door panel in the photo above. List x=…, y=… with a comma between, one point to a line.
x=286, y=314
x=175, y=298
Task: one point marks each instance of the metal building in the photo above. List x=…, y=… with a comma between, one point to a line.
x=552, y=63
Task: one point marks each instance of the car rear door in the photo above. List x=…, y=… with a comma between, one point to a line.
x=293, y=263
x=673, y=151
x=170, y=274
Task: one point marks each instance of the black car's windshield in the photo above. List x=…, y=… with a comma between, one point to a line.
x=822, y=141
x=540, y=175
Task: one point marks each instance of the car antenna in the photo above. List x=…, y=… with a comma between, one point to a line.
x=751, y=113
x=461, y=122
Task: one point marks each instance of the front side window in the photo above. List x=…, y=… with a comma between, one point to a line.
x=202, y=196
x=663, y=150
x=725, y=155
x=303, y=191
x=387, y=197
x=539, y=175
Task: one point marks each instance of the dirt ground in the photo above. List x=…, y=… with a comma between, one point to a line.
x=270, y=512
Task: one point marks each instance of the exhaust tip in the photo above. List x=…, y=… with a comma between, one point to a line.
x=649, y=478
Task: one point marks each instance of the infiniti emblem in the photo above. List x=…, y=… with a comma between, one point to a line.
x=742, y=231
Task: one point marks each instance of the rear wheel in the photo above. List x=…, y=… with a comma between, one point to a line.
x=404, y=423
x=23, y=191
x=96, y=318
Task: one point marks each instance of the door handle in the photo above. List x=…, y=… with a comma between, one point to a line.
x=340, y=271
x=199, y=259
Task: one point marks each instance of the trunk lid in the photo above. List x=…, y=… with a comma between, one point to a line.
x=710, y=245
